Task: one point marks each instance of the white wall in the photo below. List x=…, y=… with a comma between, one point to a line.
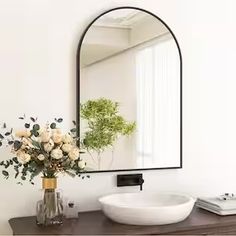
x=38, y=48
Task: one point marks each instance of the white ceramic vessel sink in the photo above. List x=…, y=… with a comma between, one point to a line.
x=147, y=209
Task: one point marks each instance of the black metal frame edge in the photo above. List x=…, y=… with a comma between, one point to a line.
x=78, y=90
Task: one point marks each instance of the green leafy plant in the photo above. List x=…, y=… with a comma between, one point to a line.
x=105, y=125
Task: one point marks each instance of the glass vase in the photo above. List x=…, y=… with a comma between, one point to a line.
x=50, y=208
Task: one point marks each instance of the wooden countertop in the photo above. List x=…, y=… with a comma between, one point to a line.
x=96, y=223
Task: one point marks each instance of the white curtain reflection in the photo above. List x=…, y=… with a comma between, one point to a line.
x=158, y=104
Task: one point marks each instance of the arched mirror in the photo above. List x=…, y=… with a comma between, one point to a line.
x=129, y=92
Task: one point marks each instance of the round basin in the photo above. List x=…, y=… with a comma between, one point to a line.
x=147, y=209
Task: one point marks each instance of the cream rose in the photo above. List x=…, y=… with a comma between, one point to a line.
x=57, y=136
x=57, y=153
x=66, y=147
x=23, y=133
x=48, y=146
x=41, y=157
x=74, y=154
x=67, y=138
x=56, y=131
x=45, y=136
x=23, y=157
x=81, y=164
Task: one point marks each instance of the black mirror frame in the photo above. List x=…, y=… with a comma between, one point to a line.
x=78, y=89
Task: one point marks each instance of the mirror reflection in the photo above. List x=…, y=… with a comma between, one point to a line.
x=130, y=89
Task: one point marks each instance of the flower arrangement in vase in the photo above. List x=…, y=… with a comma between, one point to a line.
x=47, y=151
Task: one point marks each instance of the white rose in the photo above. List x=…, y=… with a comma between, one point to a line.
x=45, y=136
x=67, y=139
x=66, y=147
x=23, y=157
x=23, y=133
x=74, y=154
x=57, y=153
x=56, y=131
x=57, y=136
x=41, y=157
x=81, y=164
x=48, y=146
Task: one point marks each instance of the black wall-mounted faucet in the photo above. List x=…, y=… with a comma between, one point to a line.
x=130, y=180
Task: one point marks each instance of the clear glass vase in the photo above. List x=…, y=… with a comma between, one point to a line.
x=50, y=208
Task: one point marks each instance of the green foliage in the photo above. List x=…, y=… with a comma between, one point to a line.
x=105, y=124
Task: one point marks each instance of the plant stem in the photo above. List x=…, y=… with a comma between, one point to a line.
x=99, y=160
x=112, y=157
x=50, y=203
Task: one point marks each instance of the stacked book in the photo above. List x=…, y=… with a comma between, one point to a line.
x=219, y=205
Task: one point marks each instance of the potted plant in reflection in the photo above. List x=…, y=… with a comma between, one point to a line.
x=47, y=151
x=104, y=127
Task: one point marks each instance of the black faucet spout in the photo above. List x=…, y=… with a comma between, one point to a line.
x=130, y=180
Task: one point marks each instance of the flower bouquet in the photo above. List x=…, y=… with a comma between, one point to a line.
x=47, y=151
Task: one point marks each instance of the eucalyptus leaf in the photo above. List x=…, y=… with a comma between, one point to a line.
x=27, y=125
x=15, y=160
x=33, y=119
x=59, y=120
x=34, y=132
x=17, y=145
x=5, y=173
x=23, y=177
x=53, y=126
x=73, y=130
x=36, y=127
